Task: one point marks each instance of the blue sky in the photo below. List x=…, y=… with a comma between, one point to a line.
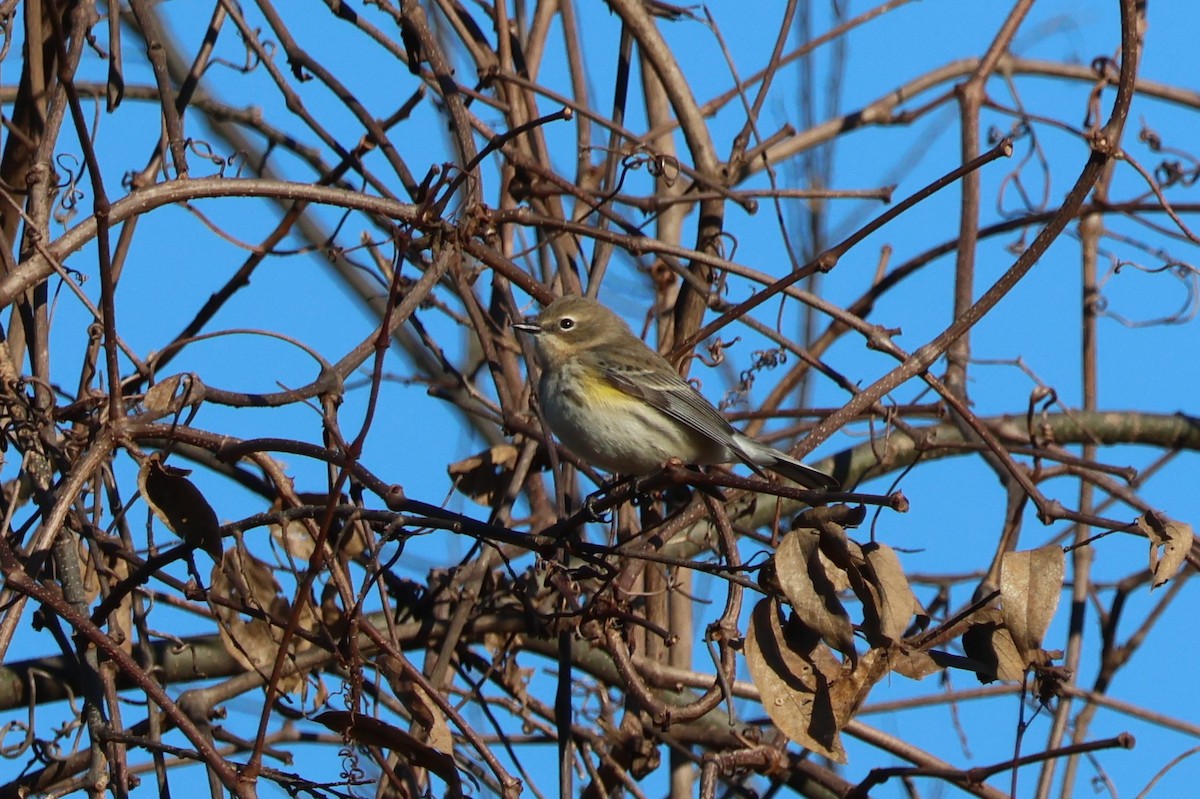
x=957, y=504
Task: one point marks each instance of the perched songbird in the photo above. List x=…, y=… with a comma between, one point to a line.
x=620, y=405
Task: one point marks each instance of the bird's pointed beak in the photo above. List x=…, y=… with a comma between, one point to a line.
x=527, y=325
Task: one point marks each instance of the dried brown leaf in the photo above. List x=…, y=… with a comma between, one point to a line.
x=911, y=663
x=244, y=580
x=112, y=571
x=1030, y=586
x=90, y=575
x=296, y=538
x=333, y=615
x=158, y=396
x=793, y=676
x=437, y=732
x=165, y=397
x=840, y=550
x=991, y=647
x=352, y=540
x=851, y=687
x=805, y=583
x=848, y=564
x=120, y=619
x=179, y=504
x=1175, y=539
x=837, y=576
x=484, y=476
x=896, y=601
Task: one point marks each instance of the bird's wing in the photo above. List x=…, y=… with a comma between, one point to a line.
x=666, y=391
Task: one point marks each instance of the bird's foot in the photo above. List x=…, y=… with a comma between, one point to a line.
x=591, y=513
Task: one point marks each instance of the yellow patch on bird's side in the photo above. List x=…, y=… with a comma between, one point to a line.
x=599, y=391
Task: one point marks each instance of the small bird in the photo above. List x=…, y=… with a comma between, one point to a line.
x=620, y=405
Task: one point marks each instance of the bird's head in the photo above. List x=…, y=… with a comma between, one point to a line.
x=570, y=325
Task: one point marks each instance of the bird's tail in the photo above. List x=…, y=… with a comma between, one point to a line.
x=755, y=454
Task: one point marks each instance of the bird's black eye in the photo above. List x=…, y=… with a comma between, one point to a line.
x=566, y=323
